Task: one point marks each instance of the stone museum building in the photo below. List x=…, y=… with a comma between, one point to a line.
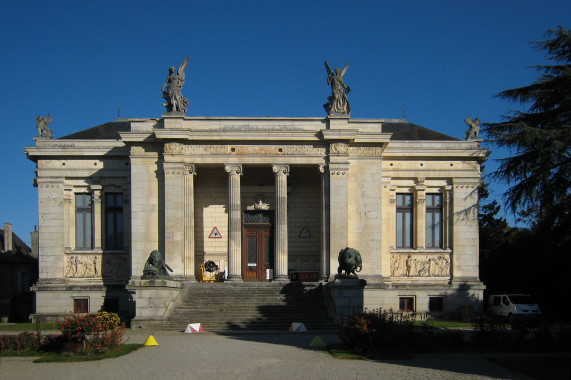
x=267, y=199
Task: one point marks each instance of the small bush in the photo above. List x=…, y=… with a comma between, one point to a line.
x=98, y=333
x=24, y=341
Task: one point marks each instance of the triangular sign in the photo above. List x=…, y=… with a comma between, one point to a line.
x=215, y=234
x=304, y=233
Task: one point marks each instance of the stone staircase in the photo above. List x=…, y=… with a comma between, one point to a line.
x=251, y=306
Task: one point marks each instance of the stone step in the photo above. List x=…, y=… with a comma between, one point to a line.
x=267, y=306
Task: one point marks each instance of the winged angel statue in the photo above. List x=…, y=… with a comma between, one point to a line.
x=175, y=102
x=474, y=128
x=42, y=125
x=338, y=103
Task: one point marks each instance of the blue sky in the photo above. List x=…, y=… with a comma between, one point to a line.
x=78, y=59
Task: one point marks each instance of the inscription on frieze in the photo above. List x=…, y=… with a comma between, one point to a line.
x=365, y=151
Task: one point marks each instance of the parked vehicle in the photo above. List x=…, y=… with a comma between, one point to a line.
x=510, y=305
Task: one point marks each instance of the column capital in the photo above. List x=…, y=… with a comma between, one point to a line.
x=323, y=168
x=280, y=169
x=233, y=169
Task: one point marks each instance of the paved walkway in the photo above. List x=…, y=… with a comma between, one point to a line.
x=252, y=356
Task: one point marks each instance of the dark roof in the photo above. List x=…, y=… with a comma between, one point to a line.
x=19, y=247
x=403, y=130
x=107, y=131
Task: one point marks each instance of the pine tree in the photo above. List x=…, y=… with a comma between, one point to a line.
x=538, y=170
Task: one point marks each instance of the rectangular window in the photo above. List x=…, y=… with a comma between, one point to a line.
x=81, y=305
x=406, y=304
x=404, y=221
x=114, y=221
x=83, y=221
x=436, y=304
x=434, y=220
x=24, y=282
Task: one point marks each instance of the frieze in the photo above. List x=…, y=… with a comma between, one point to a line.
x=305, y=150
x=420, y=265
x=173, y=148
x=96, y=266
x=137, y=151
x=338, y=148
x=206, y=149
x=365, y=151
x=256, y=127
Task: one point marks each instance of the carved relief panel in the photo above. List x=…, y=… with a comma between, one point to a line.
x=420, y=265
x=96, y=266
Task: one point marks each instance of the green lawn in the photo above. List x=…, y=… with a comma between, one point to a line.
x=435, y=323
x=27, y=326
x=55, y=357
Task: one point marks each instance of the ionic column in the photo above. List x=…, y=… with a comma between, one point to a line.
x=324, y=267
x=189, y=173
x=281, y=247
x=97, y=230
x=234, y=223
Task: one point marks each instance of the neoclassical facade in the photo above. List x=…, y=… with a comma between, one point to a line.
x=263, y=198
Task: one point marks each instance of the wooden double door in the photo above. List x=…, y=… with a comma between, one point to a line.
x=257, y=256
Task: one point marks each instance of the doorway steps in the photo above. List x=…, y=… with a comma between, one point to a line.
x=251, y=306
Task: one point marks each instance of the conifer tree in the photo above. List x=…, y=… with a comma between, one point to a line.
x=538, y=170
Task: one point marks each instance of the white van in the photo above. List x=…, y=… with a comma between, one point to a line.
x=508, y=305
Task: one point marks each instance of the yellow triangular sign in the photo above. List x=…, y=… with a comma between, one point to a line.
x=317, y=342
x=151, y=341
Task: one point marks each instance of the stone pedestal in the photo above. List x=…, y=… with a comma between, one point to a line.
x=155, y=299
x=346, y=296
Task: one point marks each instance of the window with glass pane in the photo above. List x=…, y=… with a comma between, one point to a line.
x=404, y=221
x=114, y=221
x=406, y=304
x=83, y=221
x=434, y=220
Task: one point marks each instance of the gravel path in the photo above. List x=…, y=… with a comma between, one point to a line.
x=252, y=356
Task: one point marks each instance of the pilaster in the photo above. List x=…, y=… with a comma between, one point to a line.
x=420, y=214
x=324, y=264
x=97, y=228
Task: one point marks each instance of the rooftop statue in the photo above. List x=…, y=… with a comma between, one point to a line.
x=474, y=128
x=338, y=103
x=175, y=102
x=42, y=125
x=155, y=267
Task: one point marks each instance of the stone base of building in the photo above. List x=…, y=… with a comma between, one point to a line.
x=57, y=297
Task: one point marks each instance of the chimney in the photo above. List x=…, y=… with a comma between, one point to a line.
x=8, y=237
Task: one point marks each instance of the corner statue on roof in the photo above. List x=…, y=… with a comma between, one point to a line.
x=175, y=102
x=42, y=125
x=474, y=128
x=155, y=267
x=338, y=103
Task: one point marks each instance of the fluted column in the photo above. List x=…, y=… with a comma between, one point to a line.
x=189, y=173
x=324, y=265
x=234, y=223
x=281, y=246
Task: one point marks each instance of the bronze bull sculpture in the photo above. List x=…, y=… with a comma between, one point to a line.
x=349, y=261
